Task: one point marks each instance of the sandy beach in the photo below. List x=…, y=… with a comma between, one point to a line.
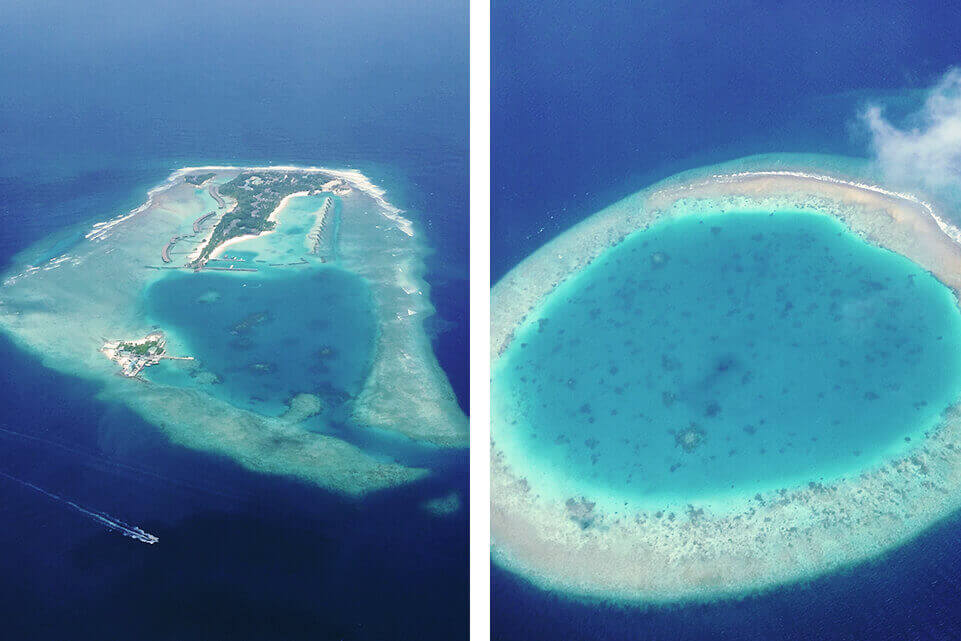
x=219, y=250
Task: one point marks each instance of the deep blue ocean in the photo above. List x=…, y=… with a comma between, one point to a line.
x=593, y=103
x=99, y=103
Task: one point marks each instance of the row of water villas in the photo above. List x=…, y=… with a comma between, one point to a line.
x=320, y=238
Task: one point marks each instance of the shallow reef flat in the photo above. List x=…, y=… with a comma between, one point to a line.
x=218, y=221
x=566, y=527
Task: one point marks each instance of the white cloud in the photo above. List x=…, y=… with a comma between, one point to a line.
x=927, y=153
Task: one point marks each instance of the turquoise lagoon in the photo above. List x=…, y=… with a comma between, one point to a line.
x=709, y=357
x=266, y=341
x=295, y=326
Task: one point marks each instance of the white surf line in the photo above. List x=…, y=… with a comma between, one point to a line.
x=111, y=523
x=99, y=230
x=949, y=230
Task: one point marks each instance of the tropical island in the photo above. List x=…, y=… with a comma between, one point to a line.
x=312, y=322
x=257, y=196
x=199, y=179
x=134, y=356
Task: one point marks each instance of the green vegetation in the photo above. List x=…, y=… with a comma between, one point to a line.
x=139, y=349
x=257, y=195
x=198, y=179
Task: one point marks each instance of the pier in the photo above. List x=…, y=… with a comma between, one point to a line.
x=165, y=253
x=214, y=191
x=200, y=221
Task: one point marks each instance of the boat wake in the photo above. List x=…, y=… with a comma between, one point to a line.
x=101, y=462
x=111, y=523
